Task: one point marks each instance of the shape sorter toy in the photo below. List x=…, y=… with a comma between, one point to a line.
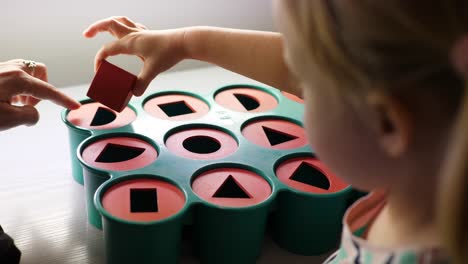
x=220, y=161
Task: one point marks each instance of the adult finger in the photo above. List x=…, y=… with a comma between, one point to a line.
x=11, y=116
x=43, y=90
x=39, y=70
x=23, y=99
x=15, y=99
x=111, y=25
x=32, y=101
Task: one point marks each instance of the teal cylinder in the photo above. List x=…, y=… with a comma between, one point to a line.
x=309, y=224
x=127, y=242
x=76, y=136
x=92, y=181
x=134, y=230
x=230, y=235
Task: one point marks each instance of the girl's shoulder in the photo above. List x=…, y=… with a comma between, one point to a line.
x=354, y=248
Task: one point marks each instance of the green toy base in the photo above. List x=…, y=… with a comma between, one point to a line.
x=303, y=222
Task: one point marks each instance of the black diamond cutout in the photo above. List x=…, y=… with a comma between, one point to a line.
x=307, y=174
x=118, y=153
x=248, y=102
x=143, y=200
x=231, y=189
x=276, y=137
x=176, y=108
x=103, y=116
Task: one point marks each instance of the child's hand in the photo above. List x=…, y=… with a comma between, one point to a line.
x=255, y=54
x=25, y=82
x=160, y=50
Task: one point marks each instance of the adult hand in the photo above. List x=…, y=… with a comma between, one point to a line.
x=160, y=50
x=24, y=82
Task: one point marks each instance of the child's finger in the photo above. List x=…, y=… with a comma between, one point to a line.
x=91, y=30
x=11, y=116
x=127, y=21
x=147, y=74
x=111, y=25
x=141, y=26
x=109, y=49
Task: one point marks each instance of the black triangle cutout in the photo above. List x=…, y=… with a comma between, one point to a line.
x=276, y=137
x=231, y=189
x=307, y=174
x=248, y=102
x=103, y=116
x=118, y=153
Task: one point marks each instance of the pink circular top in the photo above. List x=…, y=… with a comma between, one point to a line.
x=231, y=187
x=308, y=174
x=293, y=97
x=246, y=100
x=176, y=107
x=119, y=154
x=212, y=144
x=143, y=200
x=275, y=134
x=97, y=116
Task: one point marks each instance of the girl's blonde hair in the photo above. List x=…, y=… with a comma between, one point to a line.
x=404, y=49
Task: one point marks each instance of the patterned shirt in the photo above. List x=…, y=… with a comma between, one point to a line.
x=355, y=249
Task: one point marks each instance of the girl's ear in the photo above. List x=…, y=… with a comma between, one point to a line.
x=392, y=123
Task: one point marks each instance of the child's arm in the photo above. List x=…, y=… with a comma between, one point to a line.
x=255, y=54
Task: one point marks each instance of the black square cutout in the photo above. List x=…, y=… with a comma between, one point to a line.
x=176, y=108
x=144, y=200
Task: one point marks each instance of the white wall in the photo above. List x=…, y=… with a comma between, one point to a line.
x=50, y=30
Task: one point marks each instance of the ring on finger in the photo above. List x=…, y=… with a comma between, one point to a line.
x=31, y=65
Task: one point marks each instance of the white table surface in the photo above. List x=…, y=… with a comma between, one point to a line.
x=43, y=208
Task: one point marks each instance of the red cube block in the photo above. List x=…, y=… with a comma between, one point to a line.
x=112, y=86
